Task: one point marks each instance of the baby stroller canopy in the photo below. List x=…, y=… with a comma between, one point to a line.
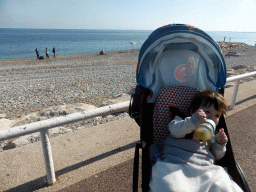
x=180, y=55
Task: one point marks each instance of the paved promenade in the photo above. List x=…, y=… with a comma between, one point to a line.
x=100, y=158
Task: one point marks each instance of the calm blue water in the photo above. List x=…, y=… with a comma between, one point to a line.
x=20, y=43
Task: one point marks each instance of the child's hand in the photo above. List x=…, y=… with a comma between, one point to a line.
x=221, y=137
x=200, y=114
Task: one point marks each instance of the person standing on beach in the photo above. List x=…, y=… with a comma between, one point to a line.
x=37, y=53
x=47, y=53
x=53, y=50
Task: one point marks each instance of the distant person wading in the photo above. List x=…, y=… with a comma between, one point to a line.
x=37, y=53
x=47, y=53
x=53, y=50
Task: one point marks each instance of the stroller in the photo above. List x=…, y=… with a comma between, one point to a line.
x=175, y=62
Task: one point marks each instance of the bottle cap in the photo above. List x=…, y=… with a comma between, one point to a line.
x=212, y=123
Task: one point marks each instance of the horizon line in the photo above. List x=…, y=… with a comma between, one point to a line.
x=119, y=29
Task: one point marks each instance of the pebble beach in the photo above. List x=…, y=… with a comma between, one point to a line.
x=34, y=90
x=30, y=84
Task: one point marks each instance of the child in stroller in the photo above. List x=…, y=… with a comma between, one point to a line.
x=188, y=165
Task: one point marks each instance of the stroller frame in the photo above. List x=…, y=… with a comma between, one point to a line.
x=142, y=112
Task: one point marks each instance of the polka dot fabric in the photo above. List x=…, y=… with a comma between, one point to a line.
x=180, y=96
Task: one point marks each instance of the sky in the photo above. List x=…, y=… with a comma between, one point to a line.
x=208, y=15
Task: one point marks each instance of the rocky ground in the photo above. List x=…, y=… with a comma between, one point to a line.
x=240, y=58
x=33, y=90
x=29, y=85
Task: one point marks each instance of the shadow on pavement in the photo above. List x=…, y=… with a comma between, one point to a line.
x=42, y=181
x=114, y=179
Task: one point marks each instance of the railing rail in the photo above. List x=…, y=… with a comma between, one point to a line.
x=43, y=126
x=58, y=121
x=237, y=79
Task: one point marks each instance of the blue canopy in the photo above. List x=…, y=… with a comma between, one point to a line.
x=180, y=55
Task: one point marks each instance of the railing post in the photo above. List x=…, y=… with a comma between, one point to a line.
x=234, y=95
x=48, y=156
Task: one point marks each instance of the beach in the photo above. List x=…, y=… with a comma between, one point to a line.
x=88, y=78
x=34, y=90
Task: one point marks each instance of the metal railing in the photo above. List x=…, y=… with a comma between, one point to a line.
x=43, y=126
x=237, y=79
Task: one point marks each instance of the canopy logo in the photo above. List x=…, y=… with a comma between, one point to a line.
x=183, y=72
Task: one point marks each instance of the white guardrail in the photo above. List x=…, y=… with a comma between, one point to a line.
x=43, y=126
x=237, y=79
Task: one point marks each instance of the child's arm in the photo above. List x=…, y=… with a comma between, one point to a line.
x=179, y=127
x=219, y=148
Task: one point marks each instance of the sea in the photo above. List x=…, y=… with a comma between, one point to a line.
x=21, y=43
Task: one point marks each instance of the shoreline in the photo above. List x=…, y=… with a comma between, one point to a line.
x=66, y=57
x=225, y=46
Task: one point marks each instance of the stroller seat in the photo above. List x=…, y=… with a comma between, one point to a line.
x=179, y=96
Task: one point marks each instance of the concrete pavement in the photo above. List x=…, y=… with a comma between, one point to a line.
x=86, y=156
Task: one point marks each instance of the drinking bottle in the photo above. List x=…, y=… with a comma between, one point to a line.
x=205, y=131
